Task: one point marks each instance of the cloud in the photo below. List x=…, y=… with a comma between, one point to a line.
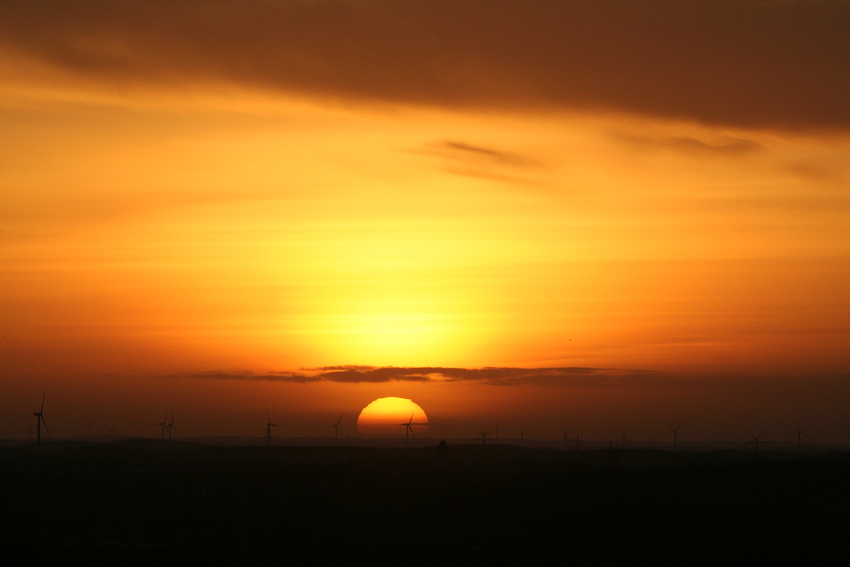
x=761, y=64
x=576, y=377
x=470, y=160
x=247, y=375
x=464, y=151
x=728, y=145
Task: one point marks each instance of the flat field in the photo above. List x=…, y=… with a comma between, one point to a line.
x=138, y=499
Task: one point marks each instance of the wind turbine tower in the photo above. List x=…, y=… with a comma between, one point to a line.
x=163, y=425
x=408, y=431
x=39, y=419
x=269, y=426
x=799, y=437
x=484, y=435
x=171, y=427
x=336, y=429
x=675, y=435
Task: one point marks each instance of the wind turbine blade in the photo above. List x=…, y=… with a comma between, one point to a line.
x=268, y=418
x=42, y=402
x=41, y=417
x=340, y=419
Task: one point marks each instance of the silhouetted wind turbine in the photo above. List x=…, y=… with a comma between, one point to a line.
x=163, y=426
x=39, y=419
x=799, y=437
x=567, y=432
x=484, y=435
x=170, y=426
x=675, y=435
x=757, y=440
x=269, y=426
x=336, y=429
x=409, y=428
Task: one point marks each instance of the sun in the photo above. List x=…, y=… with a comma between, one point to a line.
x=389, y=415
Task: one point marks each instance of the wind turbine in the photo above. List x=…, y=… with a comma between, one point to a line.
x=484, y=435
x=39, y=415
x=408, y=425
x=269, y=426
x=756, y=440
x=336, y=429
x=799, y=437
x=675, y=435
x=567, y=432
x=170, y=426
x=163, y=426
x=624, y=439
x=408, y=430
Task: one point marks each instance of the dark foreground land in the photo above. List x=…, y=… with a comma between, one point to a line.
x=144, y=500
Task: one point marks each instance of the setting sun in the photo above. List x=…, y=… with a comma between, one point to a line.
x=390, y=415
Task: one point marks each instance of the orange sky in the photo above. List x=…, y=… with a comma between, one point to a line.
x=202, y=207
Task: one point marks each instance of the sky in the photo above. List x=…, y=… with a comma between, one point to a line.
x=599, y=217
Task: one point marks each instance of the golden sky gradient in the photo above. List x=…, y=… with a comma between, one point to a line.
x=208, y=205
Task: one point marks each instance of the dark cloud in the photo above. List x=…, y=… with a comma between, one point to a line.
x=269, y=376
x=729, y=145
x=470, y=160
x=465, y=151
x=576, y=377
x=371, y=375
x=763, y=64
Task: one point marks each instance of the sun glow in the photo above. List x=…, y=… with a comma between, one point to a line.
x=389, y=415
